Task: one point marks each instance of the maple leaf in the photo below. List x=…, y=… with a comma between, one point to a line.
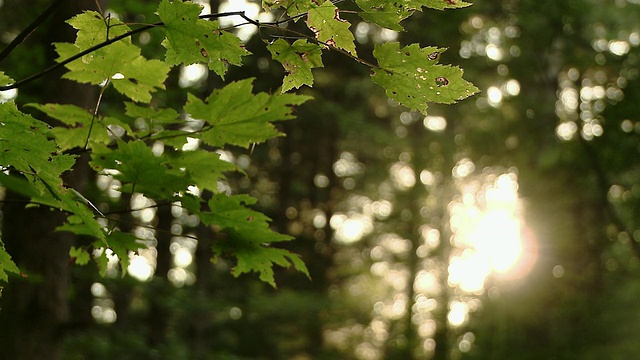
x=4, y=79
x=139, y=169
x=203, y=168
x=192, y=40
x=121, y=244
x=389, y=14
x=121, y=62
x=412, y=76
x=248, y=235
x=291, y=7
x=384, y=13
x=262, y=260
x=79, y=256
x=6, y=264
x=235, y=116
x=81, y=121
x=24, y=141
x=438, y=4
x=155, y=116
x=25, y=146
x=330, y=29
x=297, y=59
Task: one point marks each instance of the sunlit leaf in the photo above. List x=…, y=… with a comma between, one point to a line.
x=387, y=14
x=292, y=7
x=330, y=29
x=236, y=116
x=297, y=59
x=438, y=4
x=121, y=62
x=4, y=79
x=412, y=77
x=191, y=40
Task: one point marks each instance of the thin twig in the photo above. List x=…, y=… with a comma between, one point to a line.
x=95, y=114
x=29, y=29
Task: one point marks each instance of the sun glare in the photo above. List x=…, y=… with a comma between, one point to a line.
x=489, y=235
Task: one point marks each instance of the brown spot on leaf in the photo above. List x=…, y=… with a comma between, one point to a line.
x=442, y=81
x=204, y=52
x=433, y=55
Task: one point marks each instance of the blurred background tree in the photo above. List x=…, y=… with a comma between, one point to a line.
x=502, y=227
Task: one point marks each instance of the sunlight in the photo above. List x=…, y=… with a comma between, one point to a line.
x=252, y=10
x=489, y=235
x=497, y=238
x=350, y=229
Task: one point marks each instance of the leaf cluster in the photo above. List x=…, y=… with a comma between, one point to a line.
x=34, y=155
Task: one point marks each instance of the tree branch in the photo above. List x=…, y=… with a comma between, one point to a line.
x=273, y=24
x=29, y=29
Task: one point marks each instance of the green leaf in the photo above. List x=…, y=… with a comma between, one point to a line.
x=24, y=140
x=6, y=264
x=262, y=260
x=81, y=120
x=121, y=243
x=235, y=116
x=155, y=116
x=203, y=168
x=155, y=121
x=297, y=59
x=387, y=14
x=192, y=40
x=230, y=212
x=18, y=184
x=139, y=169
x=84, y=218
x=248, y=235
x=291, y=7
x=121, y=62
x=103, y=261
x=411, y=76
x=330, y=29
x=4, y=79
x=438, y=4
x=79, y=256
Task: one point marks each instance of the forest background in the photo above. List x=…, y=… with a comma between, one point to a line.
x=502, y=227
